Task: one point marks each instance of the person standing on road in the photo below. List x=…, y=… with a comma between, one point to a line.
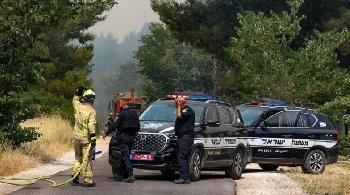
x=84, y=134
x=184, y=130
x=127, y=126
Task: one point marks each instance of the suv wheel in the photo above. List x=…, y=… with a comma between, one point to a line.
x=268, y=167
x=195, y=165
x=315, y=162
x=168, y=173
x=236, y=169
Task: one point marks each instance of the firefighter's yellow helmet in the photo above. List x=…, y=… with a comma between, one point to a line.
x=89, y=96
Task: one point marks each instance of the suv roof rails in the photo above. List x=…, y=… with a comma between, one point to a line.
x=218, y=102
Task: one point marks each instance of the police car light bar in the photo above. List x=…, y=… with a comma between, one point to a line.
x=177, y=96
x=201, y=97
x=192, y=97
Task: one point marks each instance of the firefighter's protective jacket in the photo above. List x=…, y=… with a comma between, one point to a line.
x=85, y=119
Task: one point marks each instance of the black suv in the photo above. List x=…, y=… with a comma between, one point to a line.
x=216, y=147
x=283, y=135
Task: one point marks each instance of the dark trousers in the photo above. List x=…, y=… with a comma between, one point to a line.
x=184, y=144
x=126, y=169
x=122, y=143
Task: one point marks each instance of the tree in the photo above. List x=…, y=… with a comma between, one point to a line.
x=66, y=51
x=26, y=28
x=209, y=24
x=271, y=67
x=169, y=65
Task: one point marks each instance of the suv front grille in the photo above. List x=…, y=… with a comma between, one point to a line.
x=149, y=142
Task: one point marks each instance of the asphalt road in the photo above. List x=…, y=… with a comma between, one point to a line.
x=147, y=183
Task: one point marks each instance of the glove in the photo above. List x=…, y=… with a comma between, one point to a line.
x=80, y=91
x=93, y=140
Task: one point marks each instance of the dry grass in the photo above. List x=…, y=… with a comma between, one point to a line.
x=56, y=139
x=335, y=179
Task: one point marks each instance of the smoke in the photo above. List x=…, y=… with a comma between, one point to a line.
x=110, y=54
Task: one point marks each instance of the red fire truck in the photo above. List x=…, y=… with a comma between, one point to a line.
x=130, y=98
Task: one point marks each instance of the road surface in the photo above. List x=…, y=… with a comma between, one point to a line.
x=147, y=183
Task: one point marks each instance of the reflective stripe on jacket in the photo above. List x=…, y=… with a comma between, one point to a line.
x=85, y=118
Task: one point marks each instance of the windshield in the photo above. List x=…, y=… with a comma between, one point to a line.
x=250, y=114
x=166, y=112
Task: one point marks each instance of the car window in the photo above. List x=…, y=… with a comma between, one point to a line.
x=274, y=120
x=211, y=114
x=166, y=112
x=224, y=115
x=235, y=117
x=302, y=120
x=324, y=122
x=283, y=119
x=250, y=114
x=312, y=119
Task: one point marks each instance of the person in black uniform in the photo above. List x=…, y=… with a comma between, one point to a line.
x=127, y=126
x=184, y=130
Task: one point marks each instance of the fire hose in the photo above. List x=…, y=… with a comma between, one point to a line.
x=31, y=181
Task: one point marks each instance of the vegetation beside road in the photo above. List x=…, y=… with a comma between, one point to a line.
x=55, y=140
x=335, y=179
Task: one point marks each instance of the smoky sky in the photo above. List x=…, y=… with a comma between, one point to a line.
x=128, y=16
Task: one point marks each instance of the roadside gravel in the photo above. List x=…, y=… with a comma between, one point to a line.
x=61, y=164
x=258, y=182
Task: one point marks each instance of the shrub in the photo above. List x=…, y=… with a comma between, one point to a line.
x=49, y=104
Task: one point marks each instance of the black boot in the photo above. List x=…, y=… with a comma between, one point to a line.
x=130, y=179
x=182, y=181
x=75, y=181
x=117, y=177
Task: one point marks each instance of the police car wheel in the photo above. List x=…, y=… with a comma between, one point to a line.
x=236, y=169
x=268, y=167
x=195, y=165
x=315, y=162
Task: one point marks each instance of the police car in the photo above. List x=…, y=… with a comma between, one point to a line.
x=217, y=146
x=284, y=135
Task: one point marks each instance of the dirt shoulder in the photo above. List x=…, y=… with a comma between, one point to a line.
x=51, y=168
x=258, y=182
x=335, y=179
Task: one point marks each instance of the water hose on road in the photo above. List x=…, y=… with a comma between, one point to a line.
x=31, y=181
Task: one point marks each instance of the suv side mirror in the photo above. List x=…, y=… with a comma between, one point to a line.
x=212, y=123
x=263, y=126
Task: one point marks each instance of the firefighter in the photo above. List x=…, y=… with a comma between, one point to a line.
x=127, y=126
x=84, y=134
x=184, y=130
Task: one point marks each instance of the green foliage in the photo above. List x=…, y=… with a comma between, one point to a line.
x=49, y=104
x=34, y=37
x=209, y=24
x=337, y=109
x=68, y=85
x=344, y=142
x=169, y=65
x=270, y=67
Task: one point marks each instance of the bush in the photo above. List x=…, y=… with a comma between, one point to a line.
x=344, y=142
x=50, y=104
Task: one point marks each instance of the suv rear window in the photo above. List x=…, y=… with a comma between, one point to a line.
x=235, y=117
x=224, y=115
x=323, y=122
x=165, y=111
x=250, y=114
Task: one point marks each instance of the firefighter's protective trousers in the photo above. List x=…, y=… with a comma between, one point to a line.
x=81, y=150
x=85, y=123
